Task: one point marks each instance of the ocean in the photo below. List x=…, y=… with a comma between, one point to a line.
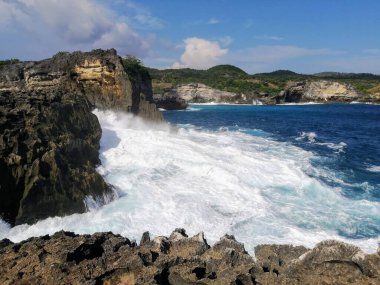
x=294, y=174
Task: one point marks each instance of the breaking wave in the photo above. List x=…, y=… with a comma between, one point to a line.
x=219, y=182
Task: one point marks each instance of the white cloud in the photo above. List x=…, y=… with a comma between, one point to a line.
x=372, y=51
x=226, y=41
x=74, y=20
x=124, y=40
x=72, y=24
x=213, y=21
x=201, y=54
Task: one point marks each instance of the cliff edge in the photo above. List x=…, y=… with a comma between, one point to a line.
x=49, y=139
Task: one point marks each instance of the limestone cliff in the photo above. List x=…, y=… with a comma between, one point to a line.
x=200, y=93
x=319, y=91
x=105, y=258
x=49, y=139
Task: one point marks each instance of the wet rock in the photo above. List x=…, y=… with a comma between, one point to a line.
x=169, y=102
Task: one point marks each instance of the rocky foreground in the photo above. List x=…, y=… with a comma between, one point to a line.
x=105, y=258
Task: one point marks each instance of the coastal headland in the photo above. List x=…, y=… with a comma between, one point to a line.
x=49, y=151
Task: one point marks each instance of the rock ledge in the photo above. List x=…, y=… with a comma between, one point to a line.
x=105, y=258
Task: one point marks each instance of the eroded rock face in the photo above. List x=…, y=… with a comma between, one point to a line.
x=169, y=101
x=318, y=91
x=105, y=258
x=49, y=139
x=48, y=154
x=200, y=93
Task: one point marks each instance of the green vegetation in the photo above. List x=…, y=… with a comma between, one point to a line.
x=8, y=61
x=61, y=53
x=134, y=67
x=233, y=79
x=223, y=77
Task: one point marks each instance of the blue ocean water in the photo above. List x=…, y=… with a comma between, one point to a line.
x=344, y=138
x=266, y=174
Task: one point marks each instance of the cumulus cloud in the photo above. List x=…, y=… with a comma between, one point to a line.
x=201, y=54
x=71, y=24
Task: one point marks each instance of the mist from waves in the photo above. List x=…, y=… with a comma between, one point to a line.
x=213, y=181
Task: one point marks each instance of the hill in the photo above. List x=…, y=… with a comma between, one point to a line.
x=233, y=79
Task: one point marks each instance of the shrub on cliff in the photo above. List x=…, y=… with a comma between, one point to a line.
x=8, y=61
x=134, y=67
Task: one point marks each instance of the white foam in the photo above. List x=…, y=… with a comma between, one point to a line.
x=216, y=182
x=374, y=168
x=311, y=137
x=299, y=104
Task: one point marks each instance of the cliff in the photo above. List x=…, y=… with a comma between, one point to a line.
x=49, y=139
x=105, y=258
x=319, y=91
x=200, y=93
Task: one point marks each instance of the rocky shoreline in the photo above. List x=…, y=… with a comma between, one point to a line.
x=105, y=258
x=49, y=151
x=321, y=92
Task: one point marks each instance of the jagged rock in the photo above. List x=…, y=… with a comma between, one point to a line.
x=105, y=258
x=169, y=101
x=49, y=139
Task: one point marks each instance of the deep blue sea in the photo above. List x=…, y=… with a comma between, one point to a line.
x=344, y=138
x=295, y=174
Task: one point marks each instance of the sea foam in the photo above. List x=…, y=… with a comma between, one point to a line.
x=213, y=181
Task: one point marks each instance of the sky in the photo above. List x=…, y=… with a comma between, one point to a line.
x=305, y=36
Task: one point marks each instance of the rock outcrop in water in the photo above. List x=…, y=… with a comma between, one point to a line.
x=105, y=258
x=49, y=139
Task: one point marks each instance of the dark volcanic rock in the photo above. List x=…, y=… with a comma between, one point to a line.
x=105, y=258
x=48, y=153
x=49, y=139
x=169, y=102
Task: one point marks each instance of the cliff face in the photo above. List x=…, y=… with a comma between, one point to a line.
x=200, y=93
x=98, y=75
x=49, y=139
x=105, y=258
x=319, y=91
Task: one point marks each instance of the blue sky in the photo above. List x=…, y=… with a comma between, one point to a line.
x=259, y=35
